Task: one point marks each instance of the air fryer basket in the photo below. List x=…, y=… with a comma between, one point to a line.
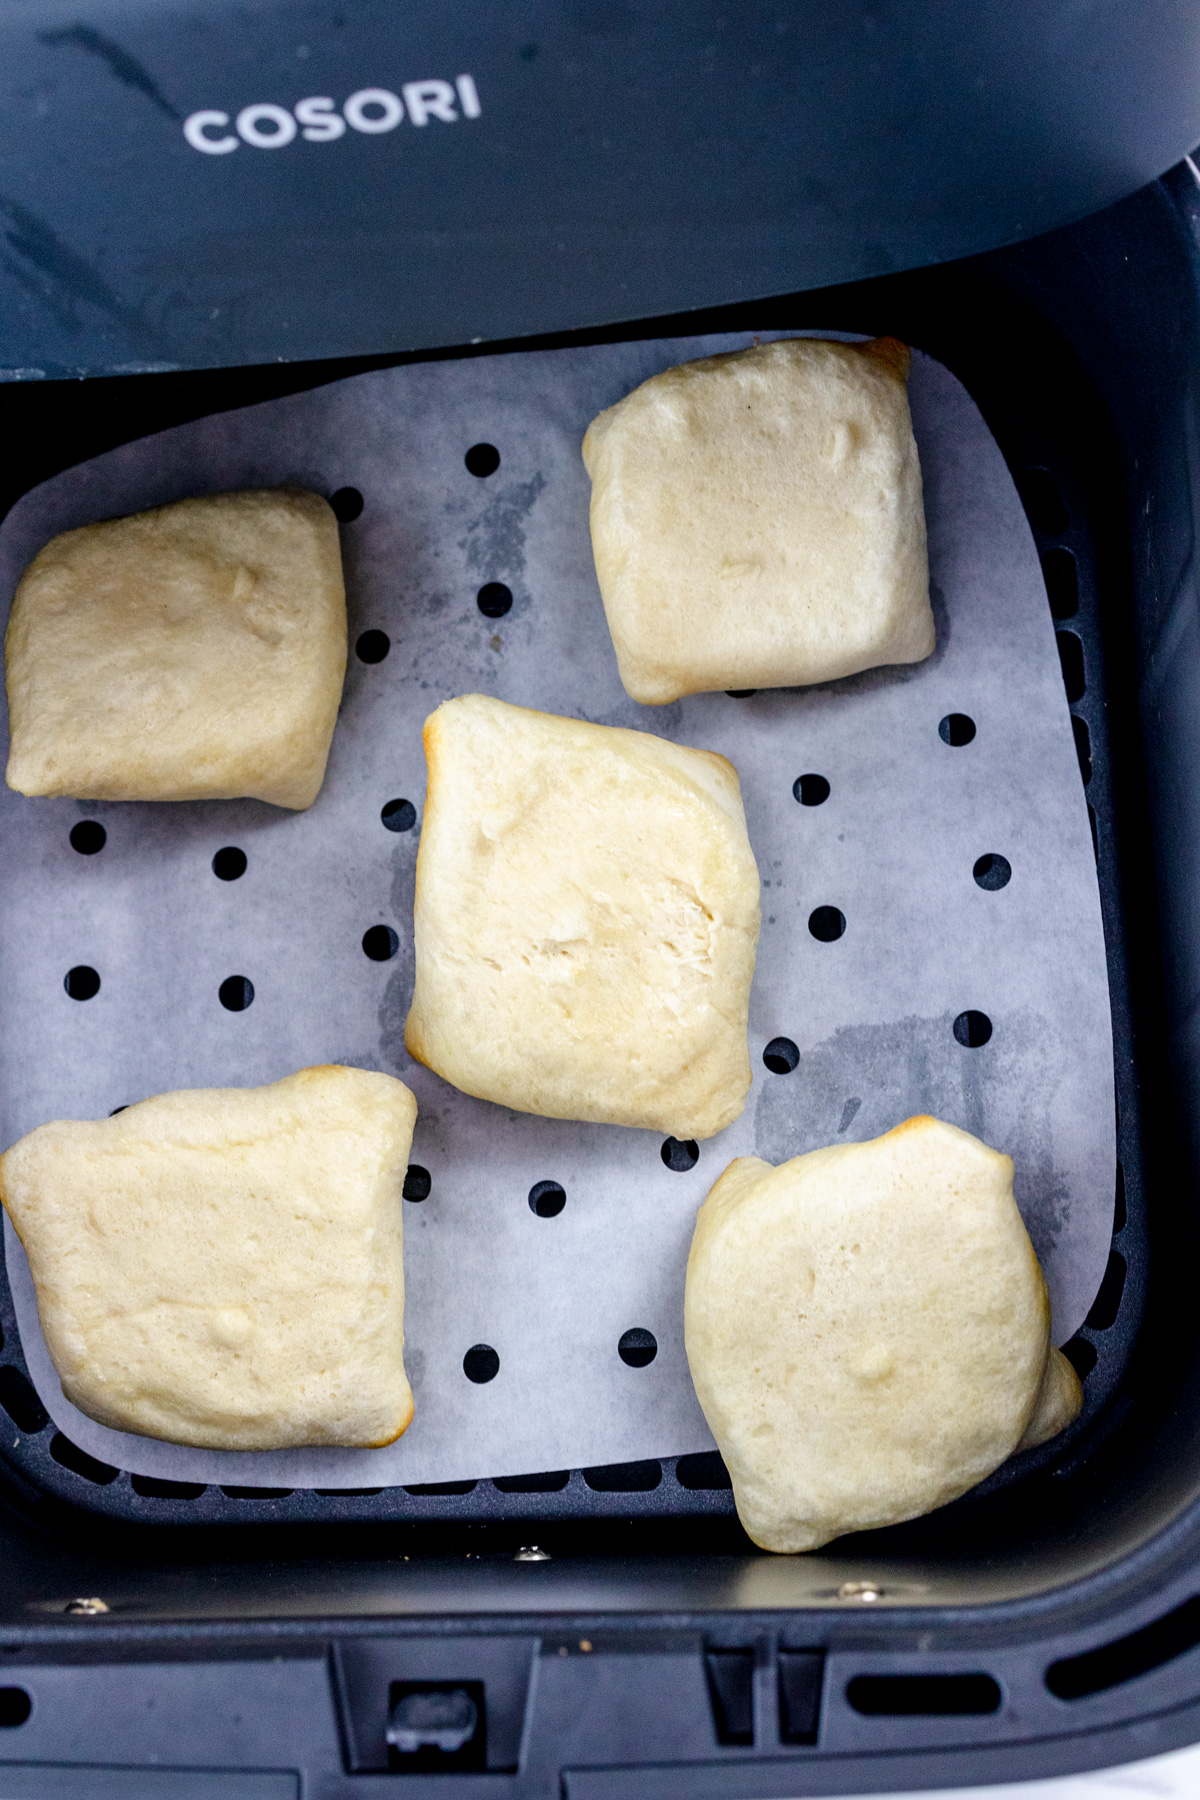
x=1044, y=1621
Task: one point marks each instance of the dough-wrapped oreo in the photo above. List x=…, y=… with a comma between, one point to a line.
x=196, y=652
x=586, y=921
x=223, y=1267
x=757, y=520
x=868, y=1331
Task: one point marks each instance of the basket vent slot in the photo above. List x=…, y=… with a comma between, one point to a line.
x=1070, y=656
x=1081, y=1354
x=1107, y=1302
x=441, y=1487
x=923, y=1696
x=703, y=1472
x=550, y=1481
x=800, y=1676
x=1125, y=1658
x=1083, y=746
x=1062, y=582
x=154, y=1487
x=1043, y=502
x=731, y=1691
x=15, y=1707
x=70, y=1456
x=624, y=1478
x=20, y=1402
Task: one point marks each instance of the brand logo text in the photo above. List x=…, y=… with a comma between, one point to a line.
x=371, y=110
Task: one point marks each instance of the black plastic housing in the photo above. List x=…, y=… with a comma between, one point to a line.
x=1040, y=1625
x=167, y=200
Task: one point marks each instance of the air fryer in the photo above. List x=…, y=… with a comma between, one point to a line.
x=207, y=206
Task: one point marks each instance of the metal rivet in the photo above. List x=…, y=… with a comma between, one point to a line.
x=531, y=1553
x=585, y=1644
x=865, y=1592
x=86, y=1609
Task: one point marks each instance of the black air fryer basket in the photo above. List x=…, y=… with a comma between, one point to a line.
x=613, y=1630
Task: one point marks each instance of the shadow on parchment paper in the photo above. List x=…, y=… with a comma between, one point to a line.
x=397, y=994
x=867, y=1078
x=664, y=721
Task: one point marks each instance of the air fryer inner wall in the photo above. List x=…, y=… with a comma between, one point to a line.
x=1081, y=351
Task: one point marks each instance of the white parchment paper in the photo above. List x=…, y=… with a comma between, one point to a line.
x=893, y=847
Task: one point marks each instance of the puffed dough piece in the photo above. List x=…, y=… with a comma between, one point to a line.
x=1060, y=1399
x=757, y=520
x=867, y=1329
x=196, y=652
x=223, y=1267
x=586, y=921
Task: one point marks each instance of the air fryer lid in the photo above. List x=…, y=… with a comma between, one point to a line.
x=200, y=184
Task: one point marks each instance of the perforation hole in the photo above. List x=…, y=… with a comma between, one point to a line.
x=956, y=729
x=741, y=693
x=236, y=993
x=81, y=982
x=372, y=646
x=347, y=504
x=88, y=837
x=494, y=599
x=781, y=1056
x=399, y=815
x=972, y=1029
x=637, y=1347
x=481, y=1363
x=229, y=864
x=380, y=943
x=680, y=1156
x=417, y=1182
x=70, y=1456
x=257, y=1493
x=547, y=1199
x=811, y=790
x=827, y=924
x=482, y=460
x=992, y=872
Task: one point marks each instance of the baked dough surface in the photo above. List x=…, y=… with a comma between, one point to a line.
x=223, y=1267
x=1060, y=1399
x=867, y=1329
x=757, y=520
x=196, y=652
x=586, y=921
